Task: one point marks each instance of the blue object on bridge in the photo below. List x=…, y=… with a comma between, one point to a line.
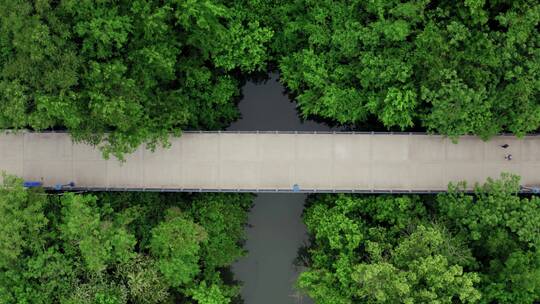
x=59, y=187
x=535, y=190
x=32, y=184
x=296, y=188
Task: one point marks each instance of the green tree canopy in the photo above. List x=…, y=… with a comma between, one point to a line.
x=116, y=248
x=452, y=67
x=503, y=231
x=452, y=248
x=176, y=243
x=123, y=73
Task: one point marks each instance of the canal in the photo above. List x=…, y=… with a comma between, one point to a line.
x=275, y=231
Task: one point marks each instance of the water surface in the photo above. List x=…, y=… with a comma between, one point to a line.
x=266, y=107
x=276, y=230
x=268, y=272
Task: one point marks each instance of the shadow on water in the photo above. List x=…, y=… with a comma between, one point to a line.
x=265, y=106
x=274, y=236
x=276, y=233
x=277, y=240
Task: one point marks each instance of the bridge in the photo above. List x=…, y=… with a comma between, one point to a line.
x=275, y=162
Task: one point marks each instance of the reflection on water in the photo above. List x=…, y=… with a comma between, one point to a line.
x=265, y=107
x=276, y=230
x=274, y=236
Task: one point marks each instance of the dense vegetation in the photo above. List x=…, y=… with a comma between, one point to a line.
x=453, y=248
x=137, y=69
x=118, y=247
x=126, y=72
x=142, y=70
x=452, y=67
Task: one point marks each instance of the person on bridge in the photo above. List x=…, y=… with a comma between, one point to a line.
x=508, y=157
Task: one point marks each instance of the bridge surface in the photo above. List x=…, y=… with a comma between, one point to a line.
x=275, y=161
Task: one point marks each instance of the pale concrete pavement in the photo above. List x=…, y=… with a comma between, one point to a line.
x=268, y=162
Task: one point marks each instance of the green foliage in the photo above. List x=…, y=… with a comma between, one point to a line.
x=123, y=73
x=460, y=248
x=223, y=222
x=453, y=67
x=145, y=283
x=504, y=230
x=97, y=292
x=119, y=74
x=21, y=222
x=176, y=243
x=117, y=248
x=100, y=243
x=209, y=294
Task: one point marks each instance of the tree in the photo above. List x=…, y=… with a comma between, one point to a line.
x=144, y=282
x=115, y=248
x=451, y=67
x=32, y=267
x=222, y=217
x=503, y=231
x=383, y=250
x=176, y=244
x=119, y=74
x=209, y=294
x=450, y=248
x=101, y=243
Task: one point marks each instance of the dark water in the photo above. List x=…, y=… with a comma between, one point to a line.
x=276, y=230
x=266, y=107
x=268, y=271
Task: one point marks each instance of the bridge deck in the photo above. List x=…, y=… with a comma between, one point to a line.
x=275, y=162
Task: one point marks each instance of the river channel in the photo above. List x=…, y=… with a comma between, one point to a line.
x=275, y=231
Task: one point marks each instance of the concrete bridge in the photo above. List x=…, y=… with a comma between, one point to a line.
x=275, y=162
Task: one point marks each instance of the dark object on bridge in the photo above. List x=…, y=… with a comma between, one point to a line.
x=296, y=188
x=32, y=184
x=505, y=146
x=508, y=157
x=535, y=190
x=60, y=186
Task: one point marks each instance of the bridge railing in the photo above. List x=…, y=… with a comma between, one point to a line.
x=334, y=132
x=523, y=190
x=276, y=132
x=226, y=190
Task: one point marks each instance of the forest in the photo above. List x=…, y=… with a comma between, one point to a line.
x=122, y=73
x=450, y=248
x=117, y=248
x=125, y=73
x=133, y=247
